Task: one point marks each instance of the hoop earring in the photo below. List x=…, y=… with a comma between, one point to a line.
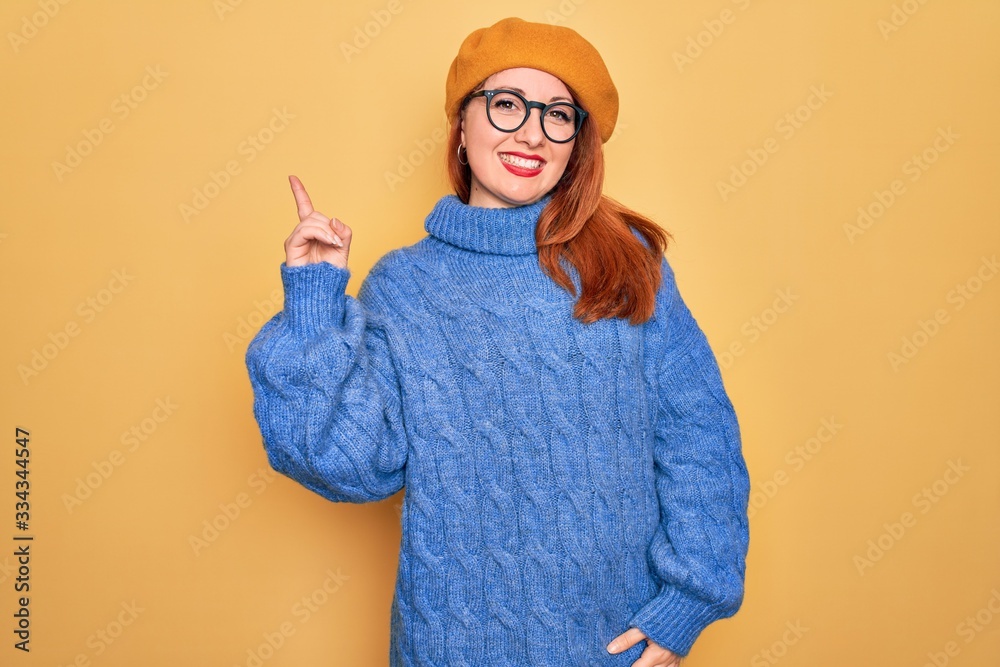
x=459, y=152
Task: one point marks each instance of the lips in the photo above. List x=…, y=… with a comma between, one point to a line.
x=522, y=165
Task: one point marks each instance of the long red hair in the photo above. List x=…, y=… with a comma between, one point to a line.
x=619, y=275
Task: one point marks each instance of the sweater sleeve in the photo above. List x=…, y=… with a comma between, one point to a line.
x=698, y=551
x=326, y=395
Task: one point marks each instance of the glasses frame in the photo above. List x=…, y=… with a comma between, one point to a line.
x=529, y=105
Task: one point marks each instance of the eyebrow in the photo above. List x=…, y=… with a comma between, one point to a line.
x=518, y=90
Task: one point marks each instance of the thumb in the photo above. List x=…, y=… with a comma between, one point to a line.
x=626, y=640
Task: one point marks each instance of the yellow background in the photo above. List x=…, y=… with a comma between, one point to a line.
x=173, y=324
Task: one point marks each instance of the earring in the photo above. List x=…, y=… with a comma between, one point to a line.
x=460, y=147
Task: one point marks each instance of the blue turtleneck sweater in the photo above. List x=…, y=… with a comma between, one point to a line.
x=564, y=482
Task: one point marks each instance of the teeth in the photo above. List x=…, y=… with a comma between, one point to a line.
x=520, y=161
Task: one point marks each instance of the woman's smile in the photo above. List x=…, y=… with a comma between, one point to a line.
x=522, y=165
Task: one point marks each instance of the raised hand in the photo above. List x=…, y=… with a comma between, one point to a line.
x=316, y=238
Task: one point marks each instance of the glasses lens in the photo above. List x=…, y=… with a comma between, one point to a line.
x=506, y=110
x=560, y=122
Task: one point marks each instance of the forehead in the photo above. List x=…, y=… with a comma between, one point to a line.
x=529, y=79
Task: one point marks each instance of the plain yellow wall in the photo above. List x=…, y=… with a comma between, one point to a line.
x=145, y=153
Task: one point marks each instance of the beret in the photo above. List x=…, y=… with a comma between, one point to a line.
x=558, y=50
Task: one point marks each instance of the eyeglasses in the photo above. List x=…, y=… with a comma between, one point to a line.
x=508, y=111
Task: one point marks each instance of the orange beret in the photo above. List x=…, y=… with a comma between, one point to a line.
x=558, y=50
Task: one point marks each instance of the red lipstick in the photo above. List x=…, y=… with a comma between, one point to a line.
x=521, y=171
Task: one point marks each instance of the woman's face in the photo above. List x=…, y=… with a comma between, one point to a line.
x=495, y=183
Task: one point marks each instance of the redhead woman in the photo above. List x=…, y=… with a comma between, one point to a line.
x=575, y=488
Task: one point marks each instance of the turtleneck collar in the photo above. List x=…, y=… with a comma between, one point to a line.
x=497, y=231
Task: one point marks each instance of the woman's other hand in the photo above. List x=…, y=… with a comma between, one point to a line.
x=654, y=655
x=316, y=238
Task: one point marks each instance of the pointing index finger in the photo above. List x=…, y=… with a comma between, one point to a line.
x=301, y=197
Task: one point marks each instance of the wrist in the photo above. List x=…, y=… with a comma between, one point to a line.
x=314, y=296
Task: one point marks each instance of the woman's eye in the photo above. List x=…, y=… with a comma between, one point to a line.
x=507, y=103
x=560, y=116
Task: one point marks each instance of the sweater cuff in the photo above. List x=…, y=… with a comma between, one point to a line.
x=314, y=296
x=674, y=619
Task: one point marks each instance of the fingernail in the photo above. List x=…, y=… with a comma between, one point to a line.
x=612, y=647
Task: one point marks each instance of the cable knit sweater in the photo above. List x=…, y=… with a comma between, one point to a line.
x=564, y=482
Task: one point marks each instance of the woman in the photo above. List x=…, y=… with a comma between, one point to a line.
x=575, y=488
